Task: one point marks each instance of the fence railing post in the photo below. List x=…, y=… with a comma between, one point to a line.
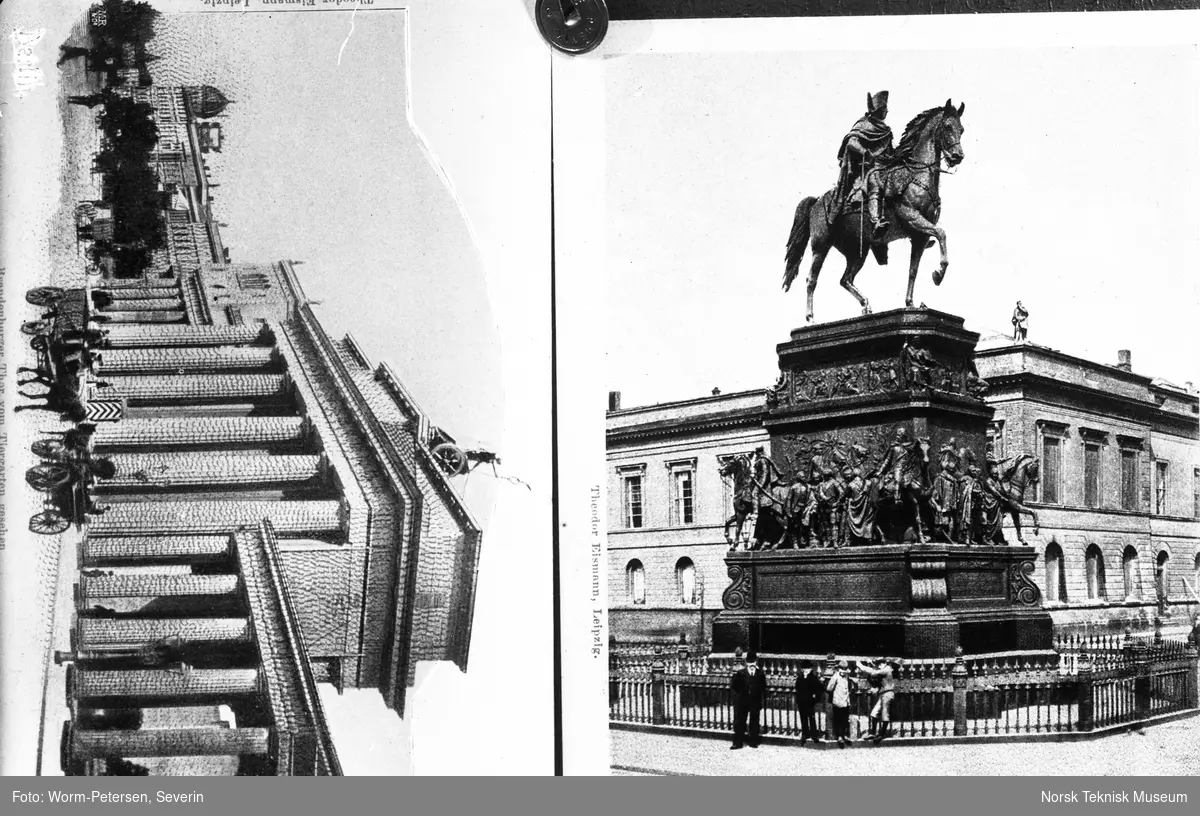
x=1141, y=681
x=958, y=677
x=1087, y=701
x=1192, y=653
x=658, y=688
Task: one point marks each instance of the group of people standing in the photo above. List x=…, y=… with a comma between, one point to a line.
x=749, y=684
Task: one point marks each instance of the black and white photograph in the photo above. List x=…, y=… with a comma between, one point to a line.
x=270, y=471
x=901, y=431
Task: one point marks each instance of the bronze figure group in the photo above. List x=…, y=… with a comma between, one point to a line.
x=839, y=499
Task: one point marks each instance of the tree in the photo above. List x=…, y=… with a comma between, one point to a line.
x=124, y=21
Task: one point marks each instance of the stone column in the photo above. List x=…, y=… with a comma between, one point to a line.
x=140, y=687
x=312, y=518
x=120, y=337
x=167, y=470
x=186, y=360
x=166, y=742
x=187, y=388
x=249, y=430
x=123, y=293
x=94, y=633
x=103, y=552
x=161, y=316
x=144, y=304
x=143, y=585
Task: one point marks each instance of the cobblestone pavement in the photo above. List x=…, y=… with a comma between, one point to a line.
x=1172, y=749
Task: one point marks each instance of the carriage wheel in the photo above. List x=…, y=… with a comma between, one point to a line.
x=451, y=458
x=35, y=327
x=48, y=522
x=48, y=448
x=40, y=343
x=44, y=295
x=48, y=476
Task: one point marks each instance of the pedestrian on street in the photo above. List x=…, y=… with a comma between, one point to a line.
x=882, y=673
x=749, y=691
x=809, y=691
x=838, y=687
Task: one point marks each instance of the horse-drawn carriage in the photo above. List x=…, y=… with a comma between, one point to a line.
x=455, y=460
x=65, y=474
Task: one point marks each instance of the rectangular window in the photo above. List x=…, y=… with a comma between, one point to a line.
x=1196, y=494
x=1129, y=480
x=996, y=439
x=1160, y=488
x=1051, y=469
x=1091, y=474
x=682, y=496
x=631, y=501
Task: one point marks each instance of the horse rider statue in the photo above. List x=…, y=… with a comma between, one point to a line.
x=864, y=147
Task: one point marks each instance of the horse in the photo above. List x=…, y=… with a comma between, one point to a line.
x=912, y=205
x=738, y=469
x=904, y=490
x=1013, y=475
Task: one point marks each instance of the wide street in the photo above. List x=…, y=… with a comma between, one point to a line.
x=1170, y=749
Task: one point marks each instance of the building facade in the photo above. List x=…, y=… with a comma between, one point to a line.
x=275, y=516
x=1118, y=502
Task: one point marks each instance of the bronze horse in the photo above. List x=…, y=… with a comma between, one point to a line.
x=746, y=493
x=909, y=181
x=1013, y=476
x=738, y=469
x=903, y=494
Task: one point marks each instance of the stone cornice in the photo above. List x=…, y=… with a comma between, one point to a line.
x=1026, y=385
x=687, y=426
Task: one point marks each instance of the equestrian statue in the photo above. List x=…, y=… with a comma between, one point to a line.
x=883, y=194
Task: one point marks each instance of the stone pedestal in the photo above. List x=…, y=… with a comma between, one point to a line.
x=852, y=383
x=909, y=600
x=845, y=389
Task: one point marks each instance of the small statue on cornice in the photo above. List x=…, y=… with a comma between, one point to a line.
x=1020, y=319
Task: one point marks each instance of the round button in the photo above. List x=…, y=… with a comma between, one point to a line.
x=573, y=26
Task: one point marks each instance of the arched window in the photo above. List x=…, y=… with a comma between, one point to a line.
x=635, y=581
x=1160, y=577
x=1129, y=571
x=685, y=580
x=1056, y=577
x=1096, y=589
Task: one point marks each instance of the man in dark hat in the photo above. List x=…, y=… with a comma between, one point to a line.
x=867, y=143
x=749, y=690
x=838, y=686
x=809, y=691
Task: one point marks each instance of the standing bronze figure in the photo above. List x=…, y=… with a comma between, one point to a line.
x=1019, y=320
x=906, y=180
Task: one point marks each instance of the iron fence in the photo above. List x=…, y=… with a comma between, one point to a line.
x=1093, y=685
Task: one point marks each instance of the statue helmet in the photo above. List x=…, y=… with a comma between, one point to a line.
x=877, y=102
